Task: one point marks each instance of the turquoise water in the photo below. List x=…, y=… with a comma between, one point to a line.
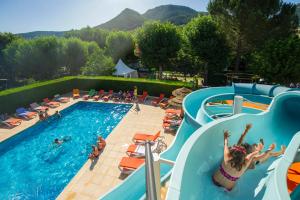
x=32, y=167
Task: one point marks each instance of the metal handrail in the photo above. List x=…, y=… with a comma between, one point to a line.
x=151, y=193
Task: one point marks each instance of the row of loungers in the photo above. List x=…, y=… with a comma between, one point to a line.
x=110, y=95
x=136, y=151
x=28, y=114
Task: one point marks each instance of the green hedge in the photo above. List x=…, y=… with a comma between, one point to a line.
x=22, y=96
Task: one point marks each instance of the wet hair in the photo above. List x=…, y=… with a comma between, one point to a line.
x=249, y=148
x=56, y=140
x=238, y=158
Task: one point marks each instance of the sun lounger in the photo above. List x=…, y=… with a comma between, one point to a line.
x=108, y=96
x=129, y=164
x=139, y=150
x=37, y=107
x=293, y=176
x=23, y=113
x=142, y=98
x=172, y=126
x=10, y=121
x=76, y=93
x=60, y=99
x=51, y=104
x=156, y=101
x=142, y=137
x=92, y=93
x=173, y=111
x=99, y=96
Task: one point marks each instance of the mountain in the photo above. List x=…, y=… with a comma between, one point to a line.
x=34, y=34
x=130, y=19
x=175, y=14
x=127, y=20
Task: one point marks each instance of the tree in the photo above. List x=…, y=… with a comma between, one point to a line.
x=278, y=61
x=119, y=45
x=5, y=39
x=38, y=58
x=249, y=23
x=98, y=64
x=90, y=34
x=75, y=54
x=208, y=44
x=158, y=43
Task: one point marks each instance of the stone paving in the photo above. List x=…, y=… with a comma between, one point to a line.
x=96, y=178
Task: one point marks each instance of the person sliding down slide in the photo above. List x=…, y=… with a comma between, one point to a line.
x=236, y=161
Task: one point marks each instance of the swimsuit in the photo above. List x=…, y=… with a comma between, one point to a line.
x=226, y=175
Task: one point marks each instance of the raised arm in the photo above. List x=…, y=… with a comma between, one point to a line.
x=248, y=127
x=226, y=148
x=252, y=155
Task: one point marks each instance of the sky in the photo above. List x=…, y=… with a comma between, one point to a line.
x=18, y=16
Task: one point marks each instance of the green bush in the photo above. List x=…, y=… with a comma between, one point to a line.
x=22, y=96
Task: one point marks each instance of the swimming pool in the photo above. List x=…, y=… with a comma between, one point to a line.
x=32, y=167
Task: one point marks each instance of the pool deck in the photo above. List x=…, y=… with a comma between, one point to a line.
x=95, y=179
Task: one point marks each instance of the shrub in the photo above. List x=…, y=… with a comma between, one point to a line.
x=22, y=96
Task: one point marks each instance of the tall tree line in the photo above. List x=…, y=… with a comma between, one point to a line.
x=257, y=34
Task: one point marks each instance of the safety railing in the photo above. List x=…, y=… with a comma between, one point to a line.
x=152, y=167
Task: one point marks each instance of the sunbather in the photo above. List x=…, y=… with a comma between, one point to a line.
x=101, y=143
x=41, y=115
x=95, y=153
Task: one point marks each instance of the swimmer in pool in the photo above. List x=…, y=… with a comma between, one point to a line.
x=57, y=113
x=64, y=139
x=57, y=141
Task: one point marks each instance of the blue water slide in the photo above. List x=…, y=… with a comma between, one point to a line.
x=203, y=151
x=134, y=185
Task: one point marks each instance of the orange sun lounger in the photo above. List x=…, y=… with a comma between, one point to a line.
x=108, y=96
x=51, y=104
x=293, y=176
x=156, y=101
x=143, y=97
x=100, y=95
x=173, y=111
x=142, y=137
x=138, y=150
x=129, y=164
x=11, y=122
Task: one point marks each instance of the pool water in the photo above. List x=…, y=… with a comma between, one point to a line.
x=33, y=167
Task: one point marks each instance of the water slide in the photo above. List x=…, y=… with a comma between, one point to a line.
x=203, y=152
x=195, y=117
